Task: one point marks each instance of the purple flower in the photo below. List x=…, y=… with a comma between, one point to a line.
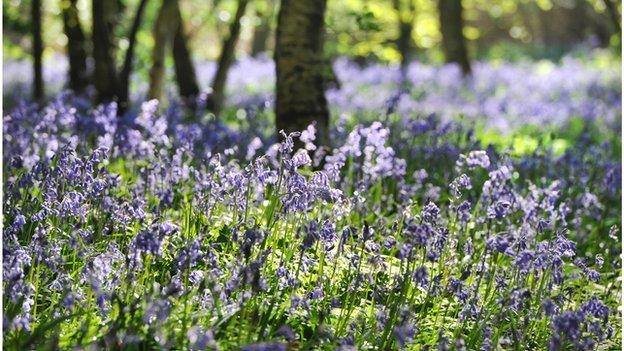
x=524, y=261
x=474, y=159
x=266, y=346
x=404, y=334
x=596, y=308
x=549, y=307
x=463, y=212
x=568, y=324
x=421, y=276
x=430, y=213
x=200, y=339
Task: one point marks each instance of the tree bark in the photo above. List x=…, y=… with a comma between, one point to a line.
x=451, y=26
x=225, y=60
x=105, y=75
x=262, y=30
x=615, y=16
x=184, y=68
x=300, y=94
x=406, y=25
x=126, y=70
x=37, y=51
x=164, y=30
x=76, y=50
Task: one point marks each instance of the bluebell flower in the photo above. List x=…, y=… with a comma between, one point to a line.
x=430, y=213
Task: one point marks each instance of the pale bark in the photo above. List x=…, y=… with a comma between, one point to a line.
x=300, y=95
x=164, y=31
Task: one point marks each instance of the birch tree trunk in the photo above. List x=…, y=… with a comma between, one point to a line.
x=164, y=31
x=300, y=94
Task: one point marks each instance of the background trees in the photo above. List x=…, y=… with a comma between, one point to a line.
x=108, y=42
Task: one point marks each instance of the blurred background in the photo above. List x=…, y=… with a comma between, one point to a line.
x=226, y=47
x=365, y=30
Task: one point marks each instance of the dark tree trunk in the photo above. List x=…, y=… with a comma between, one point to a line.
x=76, y=50
x=226, y=59
x=614, y=15
x=451, y=26
x=126, y=70
x=37, y=51
x=164, y=31
x=404, y=43
x=262, y=30
x=406, y=25
x=184, y=68
x=300, y=94
x=105, y=74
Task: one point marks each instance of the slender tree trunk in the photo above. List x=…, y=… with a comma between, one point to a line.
x=404, y=41
x=184, y=68
x=614, y=15
x=226, y=59
x=262, y=30
x=300, y=95
x=126, y=70
x=544, y=20
x=37, y=51
x=76, y=50
x=164, y=31
x=105, y=75
x=451, y=26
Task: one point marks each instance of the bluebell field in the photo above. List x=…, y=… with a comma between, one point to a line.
x=476, y=214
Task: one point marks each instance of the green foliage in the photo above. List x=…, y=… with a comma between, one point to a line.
x=366, y=29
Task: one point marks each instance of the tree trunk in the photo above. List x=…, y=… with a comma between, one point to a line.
x=184, y=68
x=451, y=26
x=37, y=51
x=105, y=75
x=225, y=60
x=126, y=70
x=614, y=15
x=164, y=30
x=300, y=95
x=76, y=50
x=404, y=41
x=262, y=30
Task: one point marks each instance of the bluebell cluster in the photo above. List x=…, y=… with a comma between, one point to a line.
x=150, y=231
